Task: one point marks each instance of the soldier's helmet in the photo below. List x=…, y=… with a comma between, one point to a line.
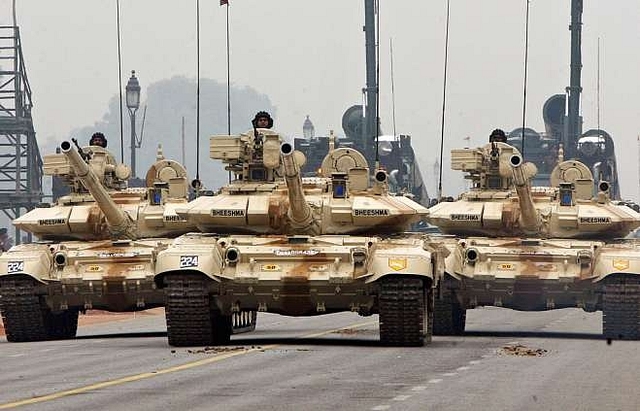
x=262, y=114
x=98, y=139
x=497, y=136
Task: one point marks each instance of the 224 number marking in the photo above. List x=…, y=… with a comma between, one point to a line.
x=188, y=261
x=15, y=267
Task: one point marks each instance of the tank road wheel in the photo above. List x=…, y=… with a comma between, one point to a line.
x=450, y=315
x=187, y=310
x=244, y=321
x=23, y=314
x=621, y=307
x=404, y=316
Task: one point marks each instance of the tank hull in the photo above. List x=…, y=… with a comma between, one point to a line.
x=535, y=275
x=300, y=276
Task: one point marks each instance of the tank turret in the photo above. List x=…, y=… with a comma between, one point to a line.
x=100, y=206
x=120, y=224
x=268, y=195
x=501, y=201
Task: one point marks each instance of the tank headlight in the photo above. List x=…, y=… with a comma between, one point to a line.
x=60, y=259
x=584, y=257
x=359, y=256
x=232, y=255
x=471, y=255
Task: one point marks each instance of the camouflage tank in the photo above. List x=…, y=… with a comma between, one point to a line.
x=536, y=248
x=298, y=246
x=97, y=246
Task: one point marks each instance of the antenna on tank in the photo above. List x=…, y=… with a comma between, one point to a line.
x=444, y=99
x=196, y=184
x=598, y=87
x=120, y=81
x=377, y=125
x=393, y=89
x=524, y=87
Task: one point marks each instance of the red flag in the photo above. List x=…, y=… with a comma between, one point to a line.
x=223, y=2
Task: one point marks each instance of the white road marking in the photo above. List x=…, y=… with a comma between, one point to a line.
x=420, y=387
x=435, y=380
x=381, y=407
x=401, y=397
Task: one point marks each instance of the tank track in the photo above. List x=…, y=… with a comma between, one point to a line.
x=188, y=311
x=26, y=316
x=450, y=316
x=22, y=314
x=404, y=314
x=621, y=307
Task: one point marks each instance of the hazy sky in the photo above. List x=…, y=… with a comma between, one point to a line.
x=308, y=57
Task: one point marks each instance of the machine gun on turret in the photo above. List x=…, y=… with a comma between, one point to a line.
x=86, y=156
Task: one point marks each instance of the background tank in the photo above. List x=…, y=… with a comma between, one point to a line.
x=536, y=248
x=395, y=154
x=98, y=244
x=281, y=243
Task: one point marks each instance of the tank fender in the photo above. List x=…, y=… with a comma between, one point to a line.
x=403, y=260
x=36, y=263
x=182, y=258
x=617, y=259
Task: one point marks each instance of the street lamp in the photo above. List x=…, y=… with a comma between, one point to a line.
x=133, y=103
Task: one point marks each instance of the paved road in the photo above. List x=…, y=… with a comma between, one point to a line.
x=508, y=360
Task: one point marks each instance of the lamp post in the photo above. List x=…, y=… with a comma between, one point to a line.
x=133, y=103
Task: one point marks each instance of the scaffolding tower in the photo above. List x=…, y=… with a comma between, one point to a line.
x=20, y=160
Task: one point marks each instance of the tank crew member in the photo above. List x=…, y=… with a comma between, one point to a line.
x=98, y=139
x=497, y=136
x=5, y=241
x=262, y=120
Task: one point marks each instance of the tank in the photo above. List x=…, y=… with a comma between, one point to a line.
x=273, y=241
x=97, y=245
x=536, y=248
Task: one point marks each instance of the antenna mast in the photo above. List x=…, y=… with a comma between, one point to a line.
x=444, y=99
x=393, y=90
x=120, y=81
x=524, y=87
x=598, y=87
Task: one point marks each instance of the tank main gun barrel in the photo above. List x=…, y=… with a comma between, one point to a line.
x=528, y=213
x=119, y=222
x=299, y=210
